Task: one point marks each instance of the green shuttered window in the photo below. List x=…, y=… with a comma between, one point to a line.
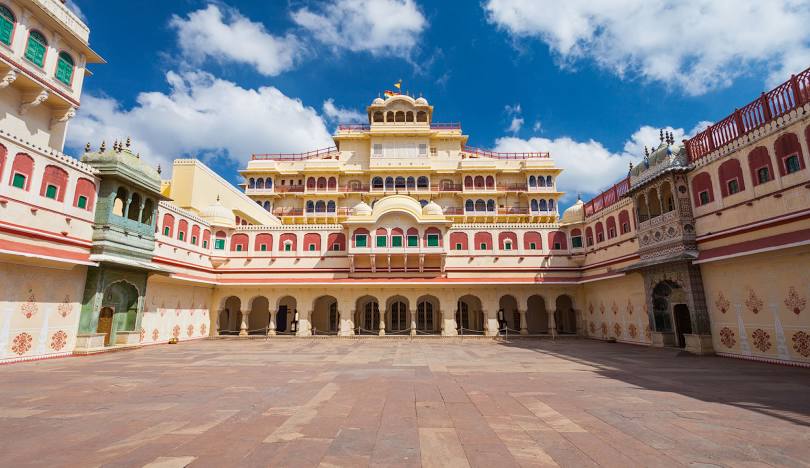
x=6, y=25
x=35, y=49
x=64, y=68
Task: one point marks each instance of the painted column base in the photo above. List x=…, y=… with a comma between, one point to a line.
x=127, y=338
x=663, y=339
x=699, y=344
x=89, y=341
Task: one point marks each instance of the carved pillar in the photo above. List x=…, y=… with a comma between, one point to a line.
x=552, y=323
x=524, y=328
x=413, y=321
x=382, y=323
x=243, y=328
x=271, y=327
x=490, y=323
x=346, y=326
x=126, y=206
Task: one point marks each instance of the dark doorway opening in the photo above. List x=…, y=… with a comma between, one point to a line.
x=683, y=323
x=281, y=319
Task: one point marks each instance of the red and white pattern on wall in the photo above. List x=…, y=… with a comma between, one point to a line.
x=176, y=331
x=801, y=343
x=604, y=330
x=794, y=302
x=58, y=340
x=21, y=344
x=143, y=334
x=177, y=309
x=203, y=329
x=753, y=303
x=629, y=307
x=190, y=331
x=633, y=330
x=602, y=308
x=617, y=330
x=614, y=308
x=30, y=308
x=162, y=308
x=722, y=303
x=761, y=339
x=647, y=332
x=593, y=329
x=65, y=307
x=155, y=334
x=727, y=337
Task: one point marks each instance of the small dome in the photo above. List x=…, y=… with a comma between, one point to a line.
x=361, y=209
x=432, y=209
x=574, y=214
x=421, y=100
x=378, y=102
x=218, y=215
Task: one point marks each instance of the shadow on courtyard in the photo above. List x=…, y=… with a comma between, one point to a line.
x=770, y=389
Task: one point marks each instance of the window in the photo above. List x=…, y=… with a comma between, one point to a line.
x=482, y=246
x=625, y=227
x=360, y=240
x=205, y=244
x=219, y=244
x=382, y=241
x=557, y=246
x=377, y=149
x=733, y=186
x=166, y=231
x=433, y=151
x=82, y=203
x=64, y=68
x=51, y=192
x=458, y=245
x=194, y=240
x=792, y=164
x=181, y=236
x=36, y=47
x=6, y=25
x=532, y=246
x=311, y=247
x=288, y=246
x=763, y=175
x=507, y=245
x=336, y=247
x=433, y=240
x=263, y=247
x=396, y=241
x=238, y=246
x=704, y=197
x=576, y=242
x=19, y=181
x=413, y=241
x=422, y=149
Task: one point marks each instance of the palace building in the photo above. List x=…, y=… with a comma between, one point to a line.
x=399, y=229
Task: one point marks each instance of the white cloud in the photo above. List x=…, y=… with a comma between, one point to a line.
x=377, y=26
x=340, y=114
x=697, y=45
x=202, y=116
x=516, y=114
x=226, y=36
x=589, y=167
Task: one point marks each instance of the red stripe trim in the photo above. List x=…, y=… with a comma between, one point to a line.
x=756, y=244
x=48, y=251
x=43, y=234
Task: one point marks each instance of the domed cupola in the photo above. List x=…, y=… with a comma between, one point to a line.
x=574, y=214
x=361, y=209
x=378, y=102
x=421, y=101
x=432, y=209
x=219, y=215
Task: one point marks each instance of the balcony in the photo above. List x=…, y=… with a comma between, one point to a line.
x=322, y=153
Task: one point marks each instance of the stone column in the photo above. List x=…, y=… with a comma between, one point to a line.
x=346, y=326
x=271, y=328
x=413, y=313
x=552, y=323
x=304, y=325
x=382, y=324
x=524, y=328
x=490, y=323
x=243, y=328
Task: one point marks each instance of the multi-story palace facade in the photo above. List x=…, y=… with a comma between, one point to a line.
x=400, y=229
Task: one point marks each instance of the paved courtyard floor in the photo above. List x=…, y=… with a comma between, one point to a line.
x=397, y=403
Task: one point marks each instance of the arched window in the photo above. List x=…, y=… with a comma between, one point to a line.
x=320, y=206
x=389, y=182
x=239, y=242
x=589, y=236
x=85, y=195
x=480, y=205
x=133, y=212
x=409, y=116
x=378, y=116
x=421, y=116
x=468, y=181
x=64, y=68
x=400, y=116
x=331, y=184
x=399, y=183
x=330, y=206
x=624, y=222
x=251, y=183
x=263, y=242
x=422, y=182
x=549, y=181
x=532, y=181
x=532, y=241
x=182, y=230
x=195, y=234
x=458, y=241
x=557, y=240
x=287, y=242
x=411, y=183
x=534, y=206
x=600, y=232
x=7, y=21
x=377, y=183
x=702, y=192
x=54, y=183
x=469, y=205
x=507, y=240
x=433, y=237
x=490, y=182
x=312, y=242
x=260, y=183
x=423, y=202
x=321, y=183
x=397, y=239
x=21, y=171
x=360, y=238
x=731, y=177
x=118, y=206
x=389, y=116
x=310, y=206
x=611, y=227
x=576, y=238
x=789, y=154
x=266, y=205
x=268, y=183
x=483, y=241
x=36, y=48
x=206, y=238
x=168, y=225
x=219, y=241
x=551, y=205
x=381, y=237
x=542, y=205
x=310, y=183
x=479, y=181
x=541, y=181
x=491, y=205
x=336, y=242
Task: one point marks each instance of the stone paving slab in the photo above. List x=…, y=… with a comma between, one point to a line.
x=354, y=403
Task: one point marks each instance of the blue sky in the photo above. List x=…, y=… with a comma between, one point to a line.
x=590, y=83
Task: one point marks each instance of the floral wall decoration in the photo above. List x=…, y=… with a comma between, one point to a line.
x=794, y=302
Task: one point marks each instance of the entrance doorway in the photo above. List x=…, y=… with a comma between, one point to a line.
x=683, y=323
x=105, y=319
x=281, y=319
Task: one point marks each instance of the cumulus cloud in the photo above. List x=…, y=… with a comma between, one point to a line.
x=696, y=45
x=202, y=116
x=340, y=114
x=589, y=167
x=224, y=35
x=516, y=114
x=389, y=27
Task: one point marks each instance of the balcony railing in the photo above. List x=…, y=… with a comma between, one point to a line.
x=608, y=197
x=315, y=154
x=445, y=126
x=496, y=155
x=354, y=127
x=290, y=188
x=790, y=95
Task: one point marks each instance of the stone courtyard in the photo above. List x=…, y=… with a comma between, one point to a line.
x=383, y=402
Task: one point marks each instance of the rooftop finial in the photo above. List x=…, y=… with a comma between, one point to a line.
x=129, y=141
x=217, y=197
x=159, y=170
x=87, y=147
x=103, y=146
x=646, y=152
x=661, y=135
x=631, y=168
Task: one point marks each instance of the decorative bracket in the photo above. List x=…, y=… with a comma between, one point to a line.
x=62, y=115
x=8, y=78
x=34, y=99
